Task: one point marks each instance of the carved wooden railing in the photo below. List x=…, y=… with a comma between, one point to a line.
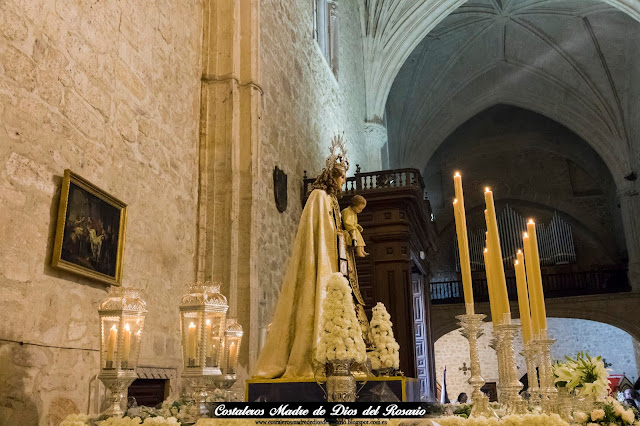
x=611, y=280
x=379, y=180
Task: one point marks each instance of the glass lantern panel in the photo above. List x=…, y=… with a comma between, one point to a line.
x=133, y=325
x=109, y=344
x=214, y=326
x=234, y=350
x=192, y=333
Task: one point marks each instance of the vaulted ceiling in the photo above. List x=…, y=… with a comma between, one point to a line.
x=574, y=61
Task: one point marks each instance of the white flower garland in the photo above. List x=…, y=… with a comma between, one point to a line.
x=84, y=420
x=340, y=332
x=386, y=353
x=511, y=420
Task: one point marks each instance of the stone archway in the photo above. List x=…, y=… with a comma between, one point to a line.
x=618, y=310
x=615, y=345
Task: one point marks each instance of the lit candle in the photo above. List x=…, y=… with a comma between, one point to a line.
x=492, y=299
x=523, y=298
x=126, y=344
x=537, y=296
x=111, y=343
x=232, y=355
x=495, y=256
x=463, y=244
x=209, y=341
x=215, y=353
x=191, y=342
x=530, y=280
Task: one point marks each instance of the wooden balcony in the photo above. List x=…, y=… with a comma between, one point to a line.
x=601, y=281
x=379, y=181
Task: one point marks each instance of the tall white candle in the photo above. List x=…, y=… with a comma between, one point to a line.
x=191, y=341
x=126, y=344
x=111, y=343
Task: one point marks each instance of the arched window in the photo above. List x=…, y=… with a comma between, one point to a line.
x=325, y=30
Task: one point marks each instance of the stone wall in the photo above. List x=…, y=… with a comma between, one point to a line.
x=111, y=91
x=573, y=335
x=304, y=106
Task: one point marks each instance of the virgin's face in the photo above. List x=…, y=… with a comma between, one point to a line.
x=340, y=180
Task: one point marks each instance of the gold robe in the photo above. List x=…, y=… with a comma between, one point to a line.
x=291, y=343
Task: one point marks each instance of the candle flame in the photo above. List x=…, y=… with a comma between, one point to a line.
x=486, y=250
x=192, y=325
x=208, y=322
x=531, y=221
x=126, y=327
x=113, y=327
x=516, y=262
x=519, y=252
x=455, y=200
x=456, y=174
x=525, y=234
x=487, y=189
x=139, y=332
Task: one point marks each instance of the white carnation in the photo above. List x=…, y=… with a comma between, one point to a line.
x=340, y=336
x=386, y=354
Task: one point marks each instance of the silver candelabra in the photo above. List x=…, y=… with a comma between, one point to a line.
x=471, y=325
x=548, y=391
x=508, y=384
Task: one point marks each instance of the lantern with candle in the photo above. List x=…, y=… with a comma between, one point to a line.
x=203, y=312
x=232, y=341
x=122, y=316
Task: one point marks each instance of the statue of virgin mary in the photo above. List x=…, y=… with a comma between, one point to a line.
x=292, y=340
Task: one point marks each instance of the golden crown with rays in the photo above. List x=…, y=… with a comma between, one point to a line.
x=337, y=153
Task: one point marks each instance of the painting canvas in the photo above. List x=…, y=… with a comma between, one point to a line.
x=90, y=231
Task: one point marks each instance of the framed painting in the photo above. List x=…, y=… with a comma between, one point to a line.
x=90, y=231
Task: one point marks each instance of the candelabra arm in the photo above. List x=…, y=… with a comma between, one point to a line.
x=533, y=390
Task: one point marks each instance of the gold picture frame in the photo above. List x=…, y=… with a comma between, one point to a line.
x=90, y=232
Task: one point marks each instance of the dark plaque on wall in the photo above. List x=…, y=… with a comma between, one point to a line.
x=280, y=189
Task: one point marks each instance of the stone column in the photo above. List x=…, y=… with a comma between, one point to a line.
x=375, y=134
x=630, y=209
x=229, y=142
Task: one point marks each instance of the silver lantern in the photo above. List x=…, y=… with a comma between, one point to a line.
x=232, y=340
x=203, y=312
x=122, y=316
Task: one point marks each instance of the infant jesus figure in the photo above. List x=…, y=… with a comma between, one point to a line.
x=350, y=223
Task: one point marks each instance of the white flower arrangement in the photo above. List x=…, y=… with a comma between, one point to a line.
x=611, y=412
x=76, y=420
x=84, y=420
x=386, y=353
x=340, y=333
x=511, y=420
x=584, y=375
x=171, y=413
